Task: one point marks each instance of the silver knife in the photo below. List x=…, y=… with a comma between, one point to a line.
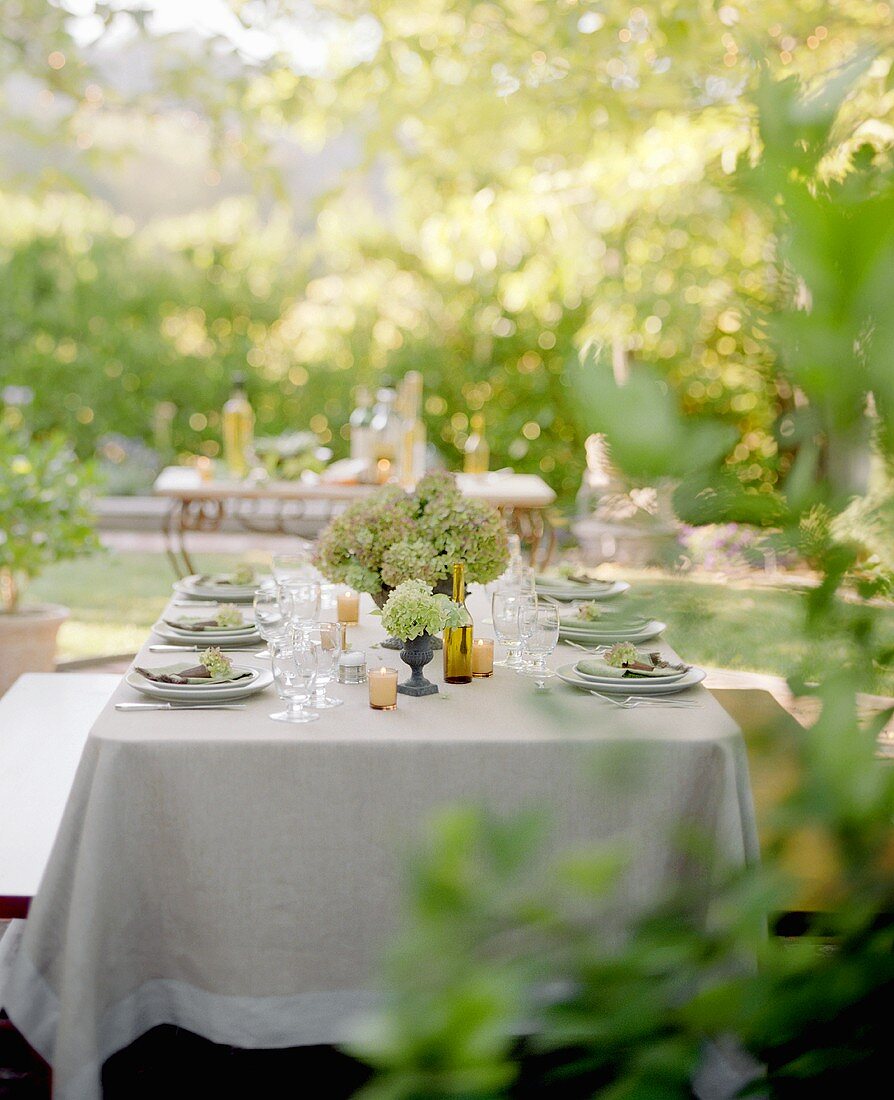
x=180, y=706
x=202, y=648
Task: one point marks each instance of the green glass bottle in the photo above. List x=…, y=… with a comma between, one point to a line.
x=458, y=639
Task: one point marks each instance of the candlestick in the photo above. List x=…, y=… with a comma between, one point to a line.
x=483, y=657
x=383, y=688
x=348, y=607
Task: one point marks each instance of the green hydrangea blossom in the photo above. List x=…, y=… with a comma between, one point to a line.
x=216, y=662
x=244, y=574
x=229, y=615
x=413, y=609
x=590, y=611
x=621, y=654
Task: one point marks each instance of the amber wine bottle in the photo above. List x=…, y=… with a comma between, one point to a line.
x=458, y=639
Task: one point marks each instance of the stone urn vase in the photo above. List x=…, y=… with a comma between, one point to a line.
x=417, y=652
x=28, y=640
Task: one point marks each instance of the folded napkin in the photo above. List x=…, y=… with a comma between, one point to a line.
x=595, y=666
x=207, y=624
x=190, y=674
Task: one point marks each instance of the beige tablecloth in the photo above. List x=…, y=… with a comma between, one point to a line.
x=240, y=877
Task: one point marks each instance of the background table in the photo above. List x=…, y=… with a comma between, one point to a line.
x=298, y=507
x=240, y=877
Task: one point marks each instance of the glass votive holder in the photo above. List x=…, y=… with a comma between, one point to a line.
x=348, y=602
x=383, y=688
x=352, y=667
x=483, y=657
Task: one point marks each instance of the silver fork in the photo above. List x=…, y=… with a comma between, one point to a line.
x=629, y=702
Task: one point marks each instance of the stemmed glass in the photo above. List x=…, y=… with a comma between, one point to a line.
x=304, y=604
x=294, y=673
x=271, y=617
x=505, y=607
x=539, y=625
x=295, y=567
x=326, y=638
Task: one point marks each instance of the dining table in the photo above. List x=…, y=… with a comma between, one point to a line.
x=242, y=878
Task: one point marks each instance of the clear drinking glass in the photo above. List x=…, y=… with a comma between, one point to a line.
x=294, y=673
x=505, y=607
x=539, y=625
x=295, y=566
x=326, y=637
x=304, y=604
x=271, y=618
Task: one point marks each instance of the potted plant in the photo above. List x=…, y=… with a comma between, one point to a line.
x=44, y=502
x=413, y=613
x=394, y=536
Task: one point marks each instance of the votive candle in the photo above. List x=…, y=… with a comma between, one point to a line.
x=483, y=657
x=383, y=688
x=349, y=607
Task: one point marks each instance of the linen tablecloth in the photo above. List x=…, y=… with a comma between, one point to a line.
x=240, y=877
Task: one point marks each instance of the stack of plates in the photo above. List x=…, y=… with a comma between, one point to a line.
x=197, y=589
x=255, y=680
x=572, y=590
x=631, y=685
x=224, y=639
x=607, y=632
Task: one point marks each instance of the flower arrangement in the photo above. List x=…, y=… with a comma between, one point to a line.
x=394, y=536
x=590, y=612
x=413, y=609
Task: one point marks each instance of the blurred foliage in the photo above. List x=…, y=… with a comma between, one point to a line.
x=44, y=506
x=531, y=177
x=504, y=983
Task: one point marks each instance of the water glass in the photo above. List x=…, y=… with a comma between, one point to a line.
x=294, y=567
x=505, y=606
x=539, y=626
x=294, y=673
x=326, y=638
x=271, y=619
x=304, y=604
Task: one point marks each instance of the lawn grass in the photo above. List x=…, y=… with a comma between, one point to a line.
x=116, y=597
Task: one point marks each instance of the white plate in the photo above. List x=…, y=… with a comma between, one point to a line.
x=570, y=593
x=227, y=593
x=650, y=630
x=630, y=686
x=596, y=678
x=177, y=693
x=201, y=689
x=207, y=637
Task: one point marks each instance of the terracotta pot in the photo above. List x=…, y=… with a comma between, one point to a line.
x=28, y=641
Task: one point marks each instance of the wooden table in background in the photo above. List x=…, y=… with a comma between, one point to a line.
x=295, y=507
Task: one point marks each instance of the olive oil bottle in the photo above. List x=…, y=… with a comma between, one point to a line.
x=458, y=639
x=238, y=430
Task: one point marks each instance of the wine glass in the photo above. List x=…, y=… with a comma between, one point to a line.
x=304, y=600
x=326, y=637
x=294, y=567
x=271, y=618
x=294, y=673
x=505, y=606
x=539, y=626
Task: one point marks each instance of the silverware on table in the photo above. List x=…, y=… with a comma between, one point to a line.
x=629, y=702
x=587, y=649
x=202, y=648
x=180, y=706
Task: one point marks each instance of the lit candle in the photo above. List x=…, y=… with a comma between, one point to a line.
x=483, y=657
x=205, y=467
x=349, y=607
x=383, y=688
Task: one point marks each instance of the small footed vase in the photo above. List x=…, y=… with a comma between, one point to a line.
x=417, y=652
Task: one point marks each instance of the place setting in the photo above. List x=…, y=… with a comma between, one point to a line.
x=635, y=674
x=571, y=582
x=235, y=586
x=225, y=626
x=591, y=623
x=213, y=678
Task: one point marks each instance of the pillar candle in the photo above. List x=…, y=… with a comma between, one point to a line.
x=483, y=657
x=383, y=688
x=348, y=607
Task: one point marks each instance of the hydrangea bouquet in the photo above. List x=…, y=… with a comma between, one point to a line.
x=394, y=536
x=413, y=609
